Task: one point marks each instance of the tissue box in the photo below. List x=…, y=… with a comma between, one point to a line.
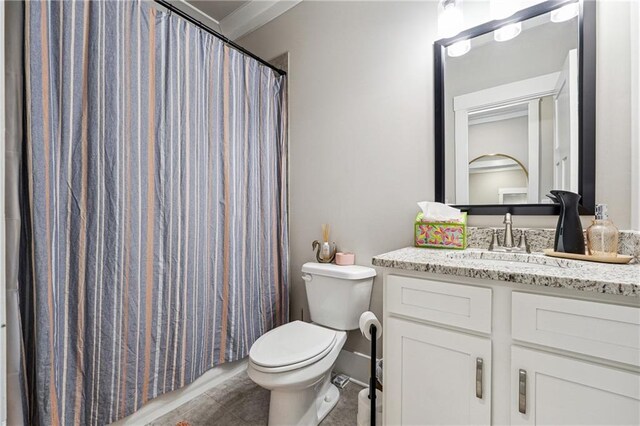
x=446, y=235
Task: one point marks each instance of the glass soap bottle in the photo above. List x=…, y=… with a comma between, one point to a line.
x=602, y=235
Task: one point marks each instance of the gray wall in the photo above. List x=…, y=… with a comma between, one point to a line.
x=508, y=136
x=483, y=187
x=361, y=124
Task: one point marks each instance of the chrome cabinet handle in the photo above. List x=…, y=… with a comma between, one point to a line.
x=479, y=364
x=522, y=391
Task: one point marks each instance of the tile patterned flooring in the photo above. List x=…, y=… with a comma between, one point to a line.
x=240, y=402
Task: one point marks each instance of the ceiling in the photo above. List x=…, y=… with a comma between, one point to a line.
x=218, y=9
x=234, y=18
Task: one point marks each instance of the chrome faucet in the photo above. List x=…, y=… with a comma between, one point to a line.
x=507, y=242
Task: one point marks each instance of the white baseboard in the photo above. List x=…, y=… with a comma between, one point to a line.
x=167, y=402
x=355, y=365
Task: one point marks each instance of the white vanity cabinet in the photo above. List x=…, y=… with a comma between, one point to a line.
x=436, y=376
x=559, y=390
x=469, y=351
x=552, y=388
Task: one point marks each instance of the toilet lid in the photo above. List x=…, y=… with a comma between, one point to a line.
x=292, y=343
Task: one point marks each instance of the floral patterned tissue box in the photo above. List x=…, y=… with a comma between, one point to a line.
x=446, y=235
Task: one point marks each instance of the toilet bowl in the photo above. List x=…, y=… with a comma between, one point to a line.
x=294, y=361
x=297, y=374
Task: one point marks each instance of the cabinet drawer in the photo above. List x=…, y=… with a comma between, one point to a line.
x=591, y=328
x=457, y=305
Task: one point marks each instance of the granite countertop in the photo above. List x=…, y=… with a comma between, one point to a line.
x=532, y=269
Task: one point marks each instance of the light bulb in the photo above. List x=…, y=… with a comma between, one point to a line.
x=507, y=32
x=565, y=13
x=450, y=21
x=459, y=48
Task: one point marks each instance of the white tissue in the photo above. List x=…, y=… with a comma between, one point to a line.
x=366, y=319
x=438, y=212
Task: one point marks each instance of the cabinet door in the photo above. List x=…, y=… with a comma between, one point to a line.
x=435, y=376
x=556, y=390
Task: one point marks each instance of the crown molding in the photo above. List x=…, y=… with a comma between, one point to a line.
x=194, y=12
x=254, y=15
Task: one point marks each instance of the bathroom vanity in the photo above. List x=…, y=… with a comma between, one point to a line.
x=480, y=337
x=476, y=337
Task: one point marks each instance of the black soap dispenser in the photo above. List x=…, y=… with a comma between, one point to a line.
x=569, y=235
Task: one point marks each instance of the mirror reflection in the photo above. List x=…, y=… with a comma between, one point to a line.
x=497, y=179
x=511, y=113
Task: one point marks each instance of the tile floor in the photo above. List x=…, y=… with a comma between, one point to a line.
x=240, y=402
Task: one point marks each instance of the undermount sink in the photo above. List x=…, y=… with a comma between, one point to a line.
x=532, y=258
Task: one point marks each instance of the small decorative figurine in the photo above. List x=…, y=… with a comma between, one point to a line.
x=325, y=253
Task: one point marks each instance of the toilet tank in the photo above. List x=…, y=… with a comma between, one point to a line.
x=337, y=295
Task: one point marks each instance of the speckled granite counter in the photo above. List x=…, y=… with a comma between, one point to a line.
x=532, y=269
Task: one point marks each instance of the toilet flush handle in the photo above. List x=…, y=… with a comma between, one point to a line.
x=307, y=277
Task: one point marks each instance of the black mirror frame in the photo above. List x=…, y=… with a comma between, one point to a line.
x=586, y=114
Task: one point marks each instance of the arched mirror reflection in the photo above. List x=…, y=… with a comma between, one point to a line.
x=497, y=179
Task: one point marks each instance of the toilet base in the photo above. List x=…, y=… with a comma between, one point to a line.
x=328, y=402
x=307, y=406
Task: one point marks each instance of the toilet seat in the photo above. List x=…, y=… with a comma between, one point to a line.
x=291, y=346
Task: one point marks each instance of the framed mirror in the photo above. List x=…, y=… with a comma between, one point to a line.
x=515, y=111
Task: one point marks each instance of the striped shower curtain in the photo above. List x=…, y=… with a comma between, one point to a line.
x=155, y=238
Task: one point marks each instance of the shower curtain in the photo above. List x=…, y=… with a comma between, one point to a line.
x=155, y=241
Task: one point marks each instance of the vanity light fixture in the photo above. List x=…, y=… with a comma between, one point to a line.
x=565, y=13
x=507, y=32
x=501, y=9
x=459, y=48
x=450, y=20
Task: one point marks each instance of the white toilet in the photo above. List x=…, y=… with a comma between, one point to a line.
x=294, y=361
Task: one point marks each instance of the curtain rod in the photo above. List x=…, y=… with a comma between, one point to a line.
x=216, y=34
